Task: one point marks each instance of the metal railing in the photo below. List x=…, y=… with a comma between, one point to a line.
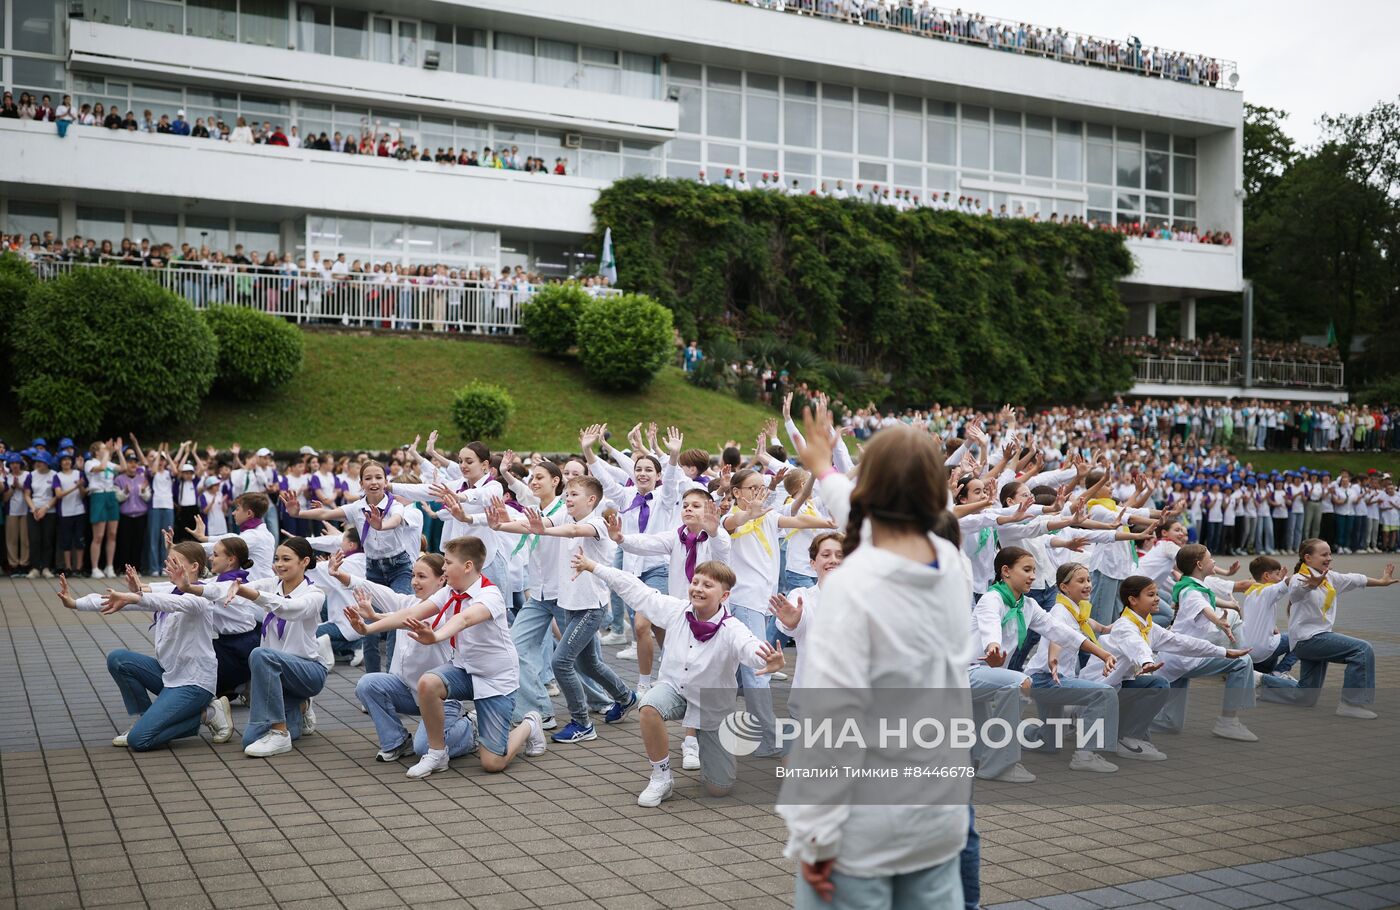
x=1266, y=373
x=437, y=305
x=1129, y=56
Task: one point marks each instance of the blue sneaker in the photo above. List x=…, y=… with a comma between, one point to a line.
x=575, y=733
x=621, y=709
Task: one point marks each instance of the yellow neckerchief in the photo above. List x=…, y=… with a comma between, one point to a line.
x=1080, y=612
x=1329, y=601
x=753, y=526
x=807, y=509
x=1143, y=626
x=1256, y=588
x=1108, y=502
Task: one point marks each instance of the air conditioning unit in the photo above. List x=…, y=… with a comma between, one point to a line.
x=573, y=141
x=431, y=59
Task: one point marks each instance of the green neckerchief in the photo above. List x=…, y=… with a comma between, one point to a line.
x=534, y=539
x=1188, y=583
x=1015, y=608
x=1132, y=550
x=983, y=536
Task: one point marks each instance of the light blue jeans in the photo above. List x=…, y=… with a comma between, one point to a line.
x=1359, y=680
x=1099, y=701
x=996, y=692
x=935, y=888
x=386, y=696
x=758, y=696
x=280, y=683
x=1103, y=600
x=157, y=520
x=578, y=657
x=176, y=712
x=1239, y=690
x=531, y=633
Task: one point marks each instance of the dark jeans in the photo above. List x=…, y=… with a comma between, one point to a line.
x=970, y=863
x=43, y=541
x=232, y=652
x=131, y=542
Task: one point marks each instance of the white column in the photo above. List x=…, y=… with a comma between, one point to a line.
x=67, y=218
x=1152, y=318
x=1188, y=318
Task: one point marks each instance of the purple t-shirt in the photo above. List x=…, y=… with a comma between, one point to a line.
x=133, y=505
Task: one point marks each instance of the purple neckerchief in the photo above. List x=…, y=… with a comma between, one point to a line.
x=160, y=614
x=692, y=545
x=512, y=504
x=704, y=631
x=281, y=623
x=238, y=575
x=642, y=503
x=250, y=524
x=387, y=504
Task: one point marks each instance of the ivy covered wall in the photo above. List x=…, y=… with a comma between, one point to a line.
x=949, y=307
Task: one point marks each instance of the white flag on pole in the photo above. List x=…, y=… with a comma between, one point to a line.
x=607, y=265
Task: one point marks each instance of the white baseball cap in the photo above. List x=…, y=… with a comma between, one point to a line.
x=180, y=113
x=186, y=467
x=307, y=450
x=263, y=452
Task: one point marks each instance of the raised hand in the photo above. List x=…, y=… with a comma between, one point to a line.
x=64, y=594
x=420, y=631
x=614, y=523
x=581, y=563
x=289, y=502
x=651, y=436
x=709, y=520
x=199, y=528
x=816, y=428
x=1109, y=663
x=177, y=574
x=788, y=613
x=113, y=601
x=132, y=578
x=356, y=621
x=337, y=558
x=674, y=441
x=995, y=656
x=535, y=520
x=363, y=605
x=375, y=517
x=772, y=657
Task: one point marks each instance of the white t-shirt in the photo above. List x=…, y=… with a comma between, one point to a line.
x=385, y=544
x=161, y=493
x=100, y=479
x=484, y=650
x=588, y=591
x=40, y=487
x=72, y=504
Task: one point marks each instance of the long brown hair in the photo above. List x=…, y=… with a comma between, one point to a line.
x=902, y=484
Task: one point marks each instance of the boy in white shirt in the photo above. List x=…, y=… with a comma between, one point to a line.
x=707, y=646
x=1259, y=632
x=248, y=512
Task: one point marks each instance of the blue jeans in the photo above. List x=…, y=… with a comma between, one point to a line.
x=1264, y=535
x=934, y=888
x=791, y=579
x=340, y=645
x=758, y=696
x=617, y=615
x=996, y=692
x=1239, y=689
x=970, y=864
x=280, y=683
x=1103, y=599
x=176, y=712
x=1146, y=696
x=1295, y=530
x=530, y=632
x=1359, y=680
x=578, y=655
x=395, y=572
x=1281, y=661
x=386, y=696
x=157, y=520
x=1098, y=699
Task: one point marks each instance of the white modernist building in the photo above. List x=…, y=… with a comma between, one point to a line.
x=613, y=87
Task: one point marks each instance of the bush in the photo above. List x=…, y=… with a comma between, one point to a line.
x=59, y=406
x=481, y=410
x=16, y=282
x=624, y=341
x=142, y=354
x=257, y=352
x=550, y=317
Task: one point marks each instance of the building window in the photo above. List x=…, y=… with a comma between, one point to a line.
x=351, y=33
x=36, y=26
x=471, y=51
x=514, y=57
x=314, y=28
x=263, y=22
x=207, y=19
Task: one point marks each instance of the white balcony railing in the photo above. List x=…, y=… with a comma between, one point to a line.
x=1265, y=373
x=437, y=306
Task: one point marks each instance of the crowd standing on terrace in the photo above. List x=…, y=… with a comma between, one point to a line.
x=1219, y=348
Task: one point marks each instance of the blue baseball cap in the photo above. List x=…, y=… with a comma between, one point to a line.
x=65, y=443
x=40, y=441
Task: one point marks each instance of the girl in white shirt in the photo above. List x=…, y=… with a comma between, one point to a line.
x=1312, y=605
x=286, y=673
x=72, y=514
x=323, y=487
x=183, y=671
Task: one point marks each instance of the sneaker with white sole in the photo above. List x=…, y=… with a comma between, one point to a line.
x=273, y=742
x=436, y=760
x=361, y=705
x=690, y=755
x=1345, y=709
x=324, y=652
x=628, y=653
x=1016, y=774
x=109, y=572
x=549, y=723
x=402, y=750
x=1139, y=749
x=575, y=733
x=1231, y=728
x=97, y=573
x=33, y=573
x=552, y=688
x=536, y=744
x=1084, y=760
x=778, y=675
x=120, y=739
x=48, y=573
x=658, y=789
x=621, y=709
x=358, y=658
x=613, y=638
x=220, y=720
x=308, y=719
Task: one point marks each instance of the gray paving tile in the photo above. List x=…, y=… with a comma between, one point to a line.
x=1361, y=900
x=1150, y=890
x=1231, y=877
x=1191, y=883
x=1065, y=902
x=1109, y=897
x=1191, y=902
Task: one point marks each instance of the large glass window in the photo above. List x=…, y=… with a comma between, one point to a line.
x=36, y=26
x=1069, y=150
x=201, y=231
x=761, y=159
x=873, y=123
x=101, y=223
x=908, y=137
x=838, y=124
x=514, y=57
x=381, y=40
x=162, y=16
x=1129, y=167
x=641, y=76
x=157, y=227
x=45, y=75
x=974, y=145
x=1183, y=176
x=31, y=218
x=724, y=114
x=263, y=22
x=471, y=51
x=314, y=28
x=799, y=123
x=691, y=110
x=942, y=141
x=437, y=36
x=1156, y=171
x=1100, y=163
x=258, y=235
x=1007, y=150
x=351, y=28
x=556, y=63
x=212, y=19
x=762, y=118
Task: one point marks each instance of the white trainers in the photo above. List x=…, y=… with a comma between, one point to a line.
x=613, y=638
x=109, y=572
x=220, y=720
x=1231, y=728
x=778, y=675
x=402, y=750
x=536, y=744
x=120, y=740
x=1084, y=760
x=549, y=723
x=436, y=760
x=324, y=653
x=643, y=687
x=308, y=719
x=1016, y=774
x=658, y=790
x=1139, y=749
x=628, y=653
x=48, y=573
x=33, y=573
x=97, y=573
x=690, y=754
x=1348, y=710
x=552, y=688
x=358, y=658
x=273, y=742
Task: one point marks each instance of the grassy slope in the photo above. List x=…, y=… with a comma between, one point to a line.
x=375, y=391
x=1356, y=462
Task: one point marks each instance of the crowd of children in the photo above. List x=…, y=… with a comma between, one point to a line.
x=966, y=561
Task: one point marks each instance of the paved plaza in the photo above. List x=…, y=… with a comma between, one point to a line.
x=197, y=825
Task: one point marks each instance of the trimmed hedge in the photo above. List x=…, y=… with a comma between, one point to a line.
x=110, y=345
x=624, y=341
x=17, y=281
x=257, y=352
x=550, y=318
x=481, y=410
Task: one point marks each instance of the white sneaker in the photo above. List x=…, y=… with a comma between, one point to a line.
x=120, y=739
x=273, y=742
x=48, y=573
x=628, y=653
x=220, y=722
x=549, y=723
x=552, y=688
x=361, y=705
x=308, y=719
x=536, y=744
x=97, y=573
x=613, y=638
x=359, y=657
x=402, y=750
x=1348, y=710
x=1231, y=728
x=690, y=755
x=643, y=687
x=109, y=572
x=658, y=789
x=33, y=573
x=436, y=760
x=324, y=652
x=1016, y=774
x=1139, y=749
x=1084, y=760
x=778, y=675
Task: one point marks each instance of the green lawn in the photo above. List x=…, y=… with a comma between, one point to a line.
x=375, y=391
x=1355, y=462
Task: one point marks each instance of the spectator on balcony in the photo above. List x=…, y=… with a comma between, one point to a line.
x=148, y=122
x=113, y=120
x=130, y=123
x=44, y=110
x=163, y=125
x=8, y=108
x=180, y=126
x=278, y=137
x=65, y=110
x=200, y=131
x=242, y=134
x=561, y=169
